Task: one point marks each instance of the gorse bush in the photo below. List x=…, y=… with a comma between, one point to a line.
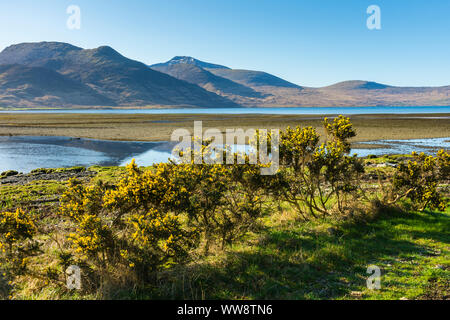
x=157, y=240
x=14, y=227
x=17, y=245
x=315, y=174
x=151, y=219
x=109, y=234
x=419, y=179
x=219, y=201
x=340, y=131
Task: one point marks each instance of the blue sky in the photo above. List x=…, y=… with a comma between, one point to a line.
x=311, y=43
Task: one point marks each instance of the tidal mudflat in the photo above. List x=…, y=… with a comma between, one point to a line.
x=159, y=127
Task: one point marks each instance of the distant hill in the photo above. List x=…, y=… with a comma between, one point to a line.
x=376, y=94
x=62, y=75
x=207, y=80
x=122, y=81
x=276, y=92
x=357, y=85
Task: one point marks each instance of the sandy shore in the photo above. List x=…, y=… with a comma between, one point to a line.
x=159, y=127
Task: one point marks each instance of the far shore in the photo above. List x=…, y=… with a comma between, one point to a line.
x=187, y=107
x=159, y=127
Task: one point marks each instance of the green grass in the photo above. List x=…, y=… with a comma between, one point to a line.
x=12, y=196
x=326, y=260
x=108, y=174
x=387, y=158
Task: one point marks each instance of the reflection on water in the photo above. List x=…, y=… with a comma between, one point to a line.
x=148, y=158
x=24, y=154
x=382, y=147
x=155, y=156
x=24, y=157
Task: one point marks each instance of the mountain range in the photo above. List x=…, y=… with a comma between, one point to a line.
x=54, y=74
x=272, y=91
x=98, y=77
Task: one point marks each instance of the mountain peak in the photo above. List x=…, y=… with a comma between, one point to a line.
x=106, y=50
x=191, y=61
x=49, y=45
x=27, y=53
x=183, y=59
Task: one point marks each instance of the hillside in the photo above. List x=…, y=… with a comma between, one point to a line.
x=209, y=81
x=125, y=82
x=35, y=86
x=372, y=93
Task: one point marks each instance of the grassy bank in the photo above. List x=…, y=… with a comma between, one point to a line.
x=286, y=258
x=159, y=127
x=326, y=260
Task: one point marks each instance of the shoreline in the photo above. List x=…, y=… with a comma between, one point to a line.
x=187, y=107
x=119, y=153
